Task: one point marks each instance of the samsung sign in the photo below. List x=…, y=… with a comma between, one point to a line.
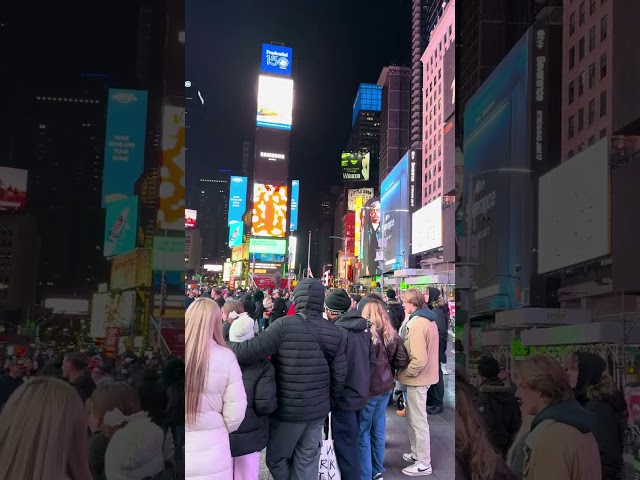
x=276, y=59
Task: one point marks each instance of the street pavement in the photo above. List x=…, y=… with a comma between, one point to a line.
x=442, y=430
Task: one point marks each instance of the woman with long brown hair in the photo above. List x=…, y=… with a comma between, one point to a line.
x=215, y=399
x=476, y=459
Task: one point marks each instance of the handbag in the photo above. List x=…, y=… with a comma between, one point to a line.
x=328, y=469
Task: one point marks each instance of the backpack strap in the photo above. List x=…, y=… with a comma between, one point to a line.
x=317, y=337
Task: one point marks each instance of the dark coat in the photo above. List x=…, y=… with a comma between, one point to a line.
x=279, y=309
x=500, y=412
x=306, y=384
x=443, y=333
x=396, y=313
x=388, y=360
x=260, y=385
x=85, y=386
x=220, y=301
x=361, y=361
x=258, y=311
x=8, y=385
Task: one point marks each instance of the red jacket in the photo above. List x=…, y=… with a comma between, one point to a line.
x=292, y=310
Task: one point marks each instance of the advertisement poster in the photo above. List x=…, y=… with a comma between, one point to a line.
x=267, y=245
x=426, y=227
x=172, y=178
x=237, y=208
x=175, y=340
x=370, y=237
x=355, y=166
x=396, y=216
x=241, y=252
x=275, y=102
x=365, y=194
x=271, y=163
x=269, y=211
x=276, y=59
x=190, y=218
x=168, y=253
x=124, y=143
x=13, y=189
x=112, y=341
x=131, y=270
x=295, y=193
x=121, y=224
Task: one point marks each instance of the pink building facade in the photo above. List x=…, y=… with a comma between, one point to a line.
x=433, y=113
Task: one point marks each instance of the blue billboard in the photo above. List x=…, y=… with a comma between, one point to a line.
x=276, y=59
x=395, y=195
x=237, y=209
x=121, y=224
x=124, y=143
x=295, y=191
x=496, y=197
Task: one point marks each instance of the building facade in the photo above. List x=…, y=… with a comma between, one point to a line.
x=213, y=211
x=365, y=126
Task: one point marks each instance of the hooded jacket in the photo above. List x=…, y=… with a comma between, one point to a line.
x=395, y=312
x=420, y=336
x=499, y=411
x=306, y=384
x=441, y=322
x=389, y=358
x=561, y=445
x=361, y=361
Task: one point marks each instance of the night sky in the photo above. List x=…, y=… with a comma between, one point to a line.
x=336, y=46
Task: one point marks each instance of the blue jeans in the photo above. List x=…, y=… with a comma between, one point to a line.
x=371, y=439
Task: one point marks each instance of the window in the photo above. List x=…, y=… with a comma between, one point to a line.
x=580, y=119
x=581, y=13
x=581, y=84
x=581, y=49
x=603, y=65
x=603, y=133
x=571, y=126
x=572, y=23
x=592, y=39
x=603, y=29
x=592, y=7
x=572, y=57
x=439, y=182
x=592, y=140
x=603, y=103
x=439, y=166
x=592, y=75
x=572, y=92
x=592, y=111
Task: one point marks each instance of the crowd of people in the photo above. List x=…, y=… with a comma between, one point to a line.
x=80, y=416
x=324, y=357
x=560, y=420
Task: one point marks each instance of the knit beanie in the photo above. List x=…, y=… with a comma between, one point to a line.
x=488, y=367
x=391, y=293
x=337, y=302
x=242, y=329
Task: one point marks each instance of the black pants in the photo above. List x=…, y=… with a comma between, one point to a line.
x=435, y=394
x=346, y=427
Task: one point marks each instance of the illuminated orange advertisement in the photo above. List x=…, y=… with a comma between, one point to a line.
x=269, y=211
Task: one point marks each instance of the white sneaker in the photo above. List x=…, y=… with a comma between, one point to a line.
x=445, y=370
x=410, y=457
x=417, y=470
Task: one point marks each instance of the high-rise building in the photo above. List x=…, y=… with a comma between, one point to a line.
x=246, y=158
x=212, y=217
x=192, y=249
x=321, y=241
x=434, y=92
x=394, y=116
x=365, y=126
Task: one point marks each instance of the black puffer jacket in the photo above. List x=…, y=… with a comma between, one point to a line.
x=260, y=385
x=306, y=385
x=361, y=361
x=396, y=313
x=499, y=409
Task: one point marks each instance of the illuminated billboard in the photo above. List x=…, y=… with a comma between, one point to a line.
x=190, y=217
x=271, y=164
x=168, y=253
x=13, y=189
x=172, y=177
x=295, y=192
x=364, y=193
x=370, y=237
x=426, y=227
x=355, y=166
x=237, y=208
x=262, y=268
x=124, y=143
x=276, y=59
x=275, y=102
x=267, y=245
x=121, y=224
x=269, y=211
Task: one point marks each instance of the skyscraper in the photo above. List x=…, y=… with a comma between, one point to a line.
x=365, y=131
x=212, y=217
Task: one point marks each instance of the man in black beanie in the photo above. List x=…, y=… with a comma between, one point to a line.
x=394, y=310
x=361, y=361
x=435, y=395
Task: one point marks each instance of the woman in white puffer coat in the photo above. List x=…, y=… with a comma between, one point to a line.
x=215, y=399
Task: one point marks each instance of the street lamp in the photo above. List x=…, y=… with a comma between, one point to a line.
x=467, y=248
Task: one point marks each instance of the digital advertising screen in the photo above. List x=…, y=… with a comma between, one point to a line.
x=190, y=218
x=264, y=268
x=124, y=143
x=449, y=83
x=271, y=164
x=496, y=138
x=275, y=102
x=13, y=189
x=370, y=237
x=237, y=209
x=267, y=245
x=267, y=257
x=172, y=177
x=365, y=194
x=269, y=211
x=121, y=224
x=276, y=59
x=426, y=227
x=295, y=193
x=396, y=216
x=355, y=166
x=236, y=232
x=168, y=253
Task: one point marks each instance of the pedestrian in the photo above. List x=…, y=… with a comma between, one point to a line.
x=74, y=369
x=219, y=296
x=10, y=382
x=435, y=396
x=279, y=306
x=394, y=309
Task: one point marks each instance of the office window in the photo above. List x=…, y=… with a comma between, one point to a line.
x=592, y=7
x=439, y=181
x=572, y=57
x=603, y=103
x=580, y=119
x=439, y=166
x=592, y=39
x=592, y=111
x=603, y=29
x=592, y=75
x=581, y=49
x=603, y=65
x=592, y=140
x=572, y=23
x=581, y=11
x=581, y=84
x=571, y=126
x=571, y=92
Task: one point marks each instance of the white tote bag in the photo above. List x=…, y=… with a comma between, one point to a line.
x=328, y=462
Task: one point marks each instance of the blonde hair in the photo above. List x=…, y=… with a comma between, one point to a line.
x=203, y=323
x=232, y=306
x=414, y=296
x=43, y=433
x=376, y=314
x=106, y=398
x=544, y=374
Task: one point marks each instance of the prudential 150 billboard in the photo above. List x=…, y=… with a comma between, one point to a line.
x=124, y=143
x=276, y=59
